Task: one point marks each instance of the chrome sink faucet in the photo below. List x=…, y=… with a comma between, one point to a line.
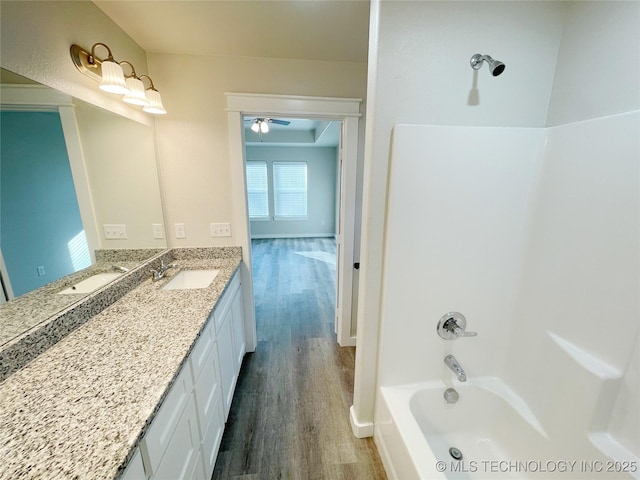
x=451, y=362
x=158, y=274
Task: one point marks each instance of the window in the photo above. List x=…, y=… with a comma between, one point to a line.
x=257, y=190
x=290, y=189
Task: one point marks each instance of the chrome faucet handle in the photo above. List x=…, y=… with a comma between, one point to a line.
x=452, y=325
x=459, y=332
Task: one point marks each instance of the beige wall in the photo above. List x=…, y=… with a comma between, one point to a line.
x=192, y=139
x=35, y=38
x=120, y=161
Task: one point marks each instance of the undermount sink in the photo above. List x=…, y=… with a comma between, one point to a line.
x=191, y=279
x=90, y=284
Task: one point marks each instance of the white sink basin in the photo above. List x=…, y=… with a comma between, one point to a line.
x=191, y=279
x=90, y=284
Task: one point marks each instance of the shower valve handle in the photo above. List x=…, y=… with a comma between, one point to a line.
x=452, y=325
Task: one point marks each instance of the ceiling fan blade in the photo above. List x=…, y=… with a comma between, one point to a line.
x=278, y=122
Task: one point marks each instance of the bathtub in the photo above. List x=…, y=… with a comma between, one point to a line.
x=494, y=429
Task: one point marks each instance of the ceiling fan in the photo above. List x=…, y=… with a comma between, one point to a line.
x=260, y=125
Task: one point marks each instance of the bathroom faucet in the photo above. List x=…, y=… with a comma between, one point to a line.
x=158, y=274
x=451, y=362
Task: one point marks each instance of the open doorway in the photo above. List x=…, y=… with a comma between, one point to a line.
x=292, y=185
x=241, y=106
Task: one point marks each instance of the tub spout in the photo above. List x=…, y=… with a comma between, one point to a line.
x=451, y=362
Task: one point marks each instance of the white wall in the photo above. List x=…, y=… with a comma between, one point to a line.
x=598, y=62
x=321, y=191
x=193, y=139
x=581, y=254
x=420, y=74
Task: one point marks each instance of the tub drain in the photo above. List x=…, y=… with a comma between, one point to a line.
x=455, y=453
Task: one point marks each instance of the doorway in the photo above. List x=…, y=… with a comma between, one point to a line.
x=240, y=106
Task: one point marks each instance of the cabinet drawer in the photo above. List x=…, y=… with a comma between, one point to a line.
x=159, y=434
x=224, y=305
x=182, y=456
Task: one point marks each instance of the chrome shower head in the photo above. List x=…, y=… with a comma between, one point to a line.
x=495, y=67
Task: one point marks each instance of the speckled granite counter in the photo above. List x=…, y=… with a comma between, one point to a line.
x=33, y=322
x=80, y=408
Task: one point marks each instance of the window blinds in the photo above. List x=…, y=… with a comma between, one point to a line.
x=258, y=190
x=290, y=189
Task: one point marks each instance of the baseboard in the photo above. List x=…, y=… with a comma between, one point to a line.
x=293, y=235
x=360, y=429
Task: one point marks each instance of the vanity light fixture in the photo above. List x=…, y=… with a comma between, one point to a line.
x=109, y=73
x=136, y=95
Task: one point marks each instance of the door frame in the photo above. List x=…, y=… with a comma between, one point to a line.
x=346, y=110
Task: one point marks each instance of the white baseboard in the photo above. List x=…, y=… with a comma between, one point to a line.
x=360, y=429
x=294, y=235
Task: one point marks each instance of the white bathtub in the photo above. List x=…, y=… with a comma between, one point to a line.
x=497, y=433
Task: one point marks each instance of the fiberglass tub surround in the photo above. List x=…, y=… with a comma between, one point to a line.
x=546, y=388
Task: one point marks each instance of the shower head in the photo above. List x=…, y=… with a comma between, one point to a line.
x=495, y=67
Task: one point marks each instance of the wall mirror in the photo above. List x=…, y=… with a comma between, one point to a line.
x=75, y=179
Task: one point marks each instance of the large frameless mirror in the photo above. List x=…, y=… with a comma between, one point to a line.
x=76, y=181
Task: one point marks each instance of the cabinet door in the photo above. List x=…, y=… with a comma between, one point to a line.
x=207, y=390
x=160, y=432
x=227, y=360
x=212, y=438
x=182, y=457
x=237, y=318
x=135, y=469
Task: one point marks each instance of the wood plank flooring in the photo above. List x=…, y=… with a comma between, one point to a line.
x=290, y=413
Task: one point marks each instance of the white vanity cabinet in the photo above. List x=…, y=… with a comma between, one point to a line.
x=229, y=321
x=135, y=469
x=183, y=439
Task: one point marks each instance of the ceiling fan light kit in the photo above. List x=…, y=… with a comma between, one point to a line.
x=261, y=125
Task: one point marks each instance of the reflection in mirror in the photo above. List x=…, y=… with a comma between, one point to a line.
x=71, y=175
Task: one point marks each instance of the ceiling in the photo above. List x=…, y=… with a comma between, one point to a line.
x=299, y=133
x=330, y=30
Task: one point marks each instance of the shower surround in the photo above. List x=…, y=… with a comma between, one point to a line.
x=525, y=231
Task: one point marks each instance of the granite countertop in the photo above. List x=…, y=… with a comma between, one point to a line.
x=32, y=308
x=80, y=408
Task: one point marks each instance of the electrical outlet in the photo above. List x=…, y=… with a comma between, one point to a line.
x=158, y=230
x=180, y=230
x=41, y=271
x=220, y=229
x=115, y=231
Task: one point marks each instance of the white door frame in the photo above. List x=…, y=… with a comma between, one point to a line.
x=346, y=110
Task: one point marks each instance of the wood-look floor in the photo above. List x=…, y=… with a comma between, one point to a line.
x=290, y=413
